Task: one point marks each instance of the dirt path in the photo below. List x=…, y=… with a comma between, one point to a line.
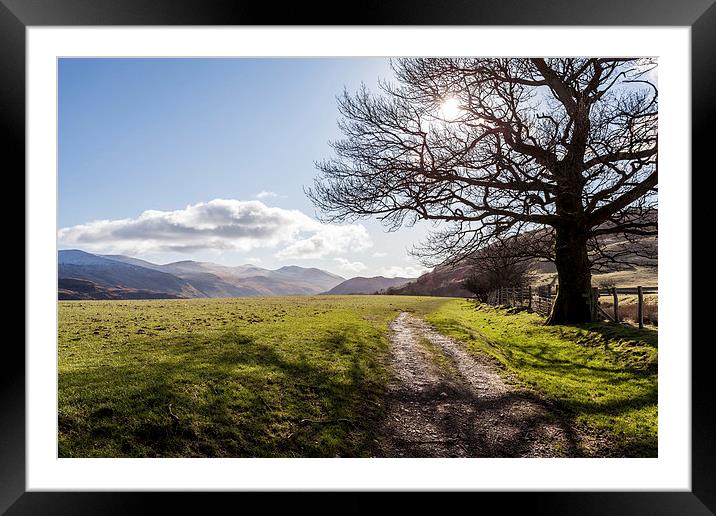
x=444, y=403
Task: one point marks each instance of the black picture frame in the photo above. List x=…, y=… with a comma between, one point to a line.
x=700, y=15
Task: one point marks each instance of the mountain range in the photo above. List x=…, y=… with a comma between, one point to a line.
x=83, y=275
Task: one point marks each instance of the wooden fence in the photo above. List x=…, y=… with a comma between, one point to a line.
x=540, y=299
x=615, y=292
x=537, y=299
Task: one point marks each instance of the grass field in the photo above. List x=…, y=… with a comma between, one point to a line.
x=605, y=375
x=240, y=375
x=305, y=376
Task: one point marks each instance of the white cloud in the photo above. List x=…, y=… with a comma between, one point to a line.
x=263, y=194
x=349, y=266
x=403, y=272
x=328, y=240
x=220, y=225
x=379, y=254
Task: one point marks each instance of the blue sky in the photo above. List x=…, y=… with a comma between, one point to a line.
x=219, y=148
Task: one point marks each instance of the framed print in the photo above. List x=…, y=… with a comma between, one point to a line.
x=273, y=251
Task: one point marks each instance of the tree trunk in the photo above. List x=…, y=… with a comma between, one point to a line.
x=574, y=303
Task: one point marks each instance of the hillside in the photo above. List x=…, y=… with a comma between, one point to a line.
x=372, y=285
x=444, y=281
x=76, y=264
x=118, y=276
x=77, y=289
x=447, y=280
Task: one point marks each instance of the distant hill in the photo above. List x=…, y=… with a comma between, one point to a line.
x=308, y=276
x=249, y=280
x=77, y=289
x=442, y=281
x=108, y=273
x=127, y=259
x=118, y=276
x=447, y=280
x=360, y=285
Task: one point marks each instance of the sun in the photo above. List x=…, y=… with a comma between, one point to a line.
x=450, y=109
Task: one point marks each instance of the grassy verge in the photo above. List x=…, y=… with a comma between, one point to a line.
x=605, y=375
x=224, y=377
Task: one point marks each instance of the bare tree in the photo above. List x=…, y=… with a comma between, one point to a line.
x=562, y=149
x=503, y=264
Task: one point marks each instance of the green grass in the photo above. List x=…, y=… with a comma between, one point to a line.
x=240, y=375
x=605, y=375
x=438, y=357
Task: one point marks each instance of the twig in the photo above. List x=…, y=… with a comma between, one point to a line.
x=437, y=441
x=328, y=421
x=265, y=402
x=173, y=415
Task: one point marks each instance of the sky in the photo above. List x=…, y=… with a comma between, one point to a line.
x=206, y=159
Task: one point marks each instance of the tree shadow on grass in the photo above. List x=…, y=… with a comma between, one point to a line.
x=229, y=396
x=628, y=387
x=621, y=371
x=617, y=331
x=630, y=384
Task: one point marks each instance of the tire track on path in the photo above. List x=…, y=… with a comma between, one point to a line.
x=443, y=402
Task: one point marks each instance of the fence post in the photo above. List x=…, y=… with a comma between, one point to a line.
x=594, y=304
x=640, y=310
x=529, y=297
x=616, y=304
